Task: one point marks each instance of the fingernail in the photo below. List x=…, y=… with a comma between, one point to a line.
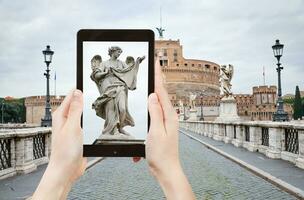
x=153, y=98
x=77, y=93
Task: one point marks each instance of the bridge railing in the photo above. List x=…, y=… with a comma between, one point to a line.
x=278, y=140
x=22, y=150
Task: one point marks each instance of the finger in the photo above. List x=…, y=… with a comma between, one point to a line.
x=59, y=116
x=63, y=109
x=163, y=94
x=156, y=114
x=75, y=109
x=136, y=159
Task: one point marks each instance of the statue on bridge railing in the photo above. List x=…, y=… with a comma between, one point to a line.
x=192, y=100
x=228, y=106
x=226, y=76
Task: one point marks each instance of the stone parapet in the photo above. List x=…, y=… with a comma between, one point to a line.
x=277, y=140
x=23, y=149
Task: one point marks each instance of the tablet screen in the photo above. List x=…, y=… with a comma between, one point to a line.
x=115, y=89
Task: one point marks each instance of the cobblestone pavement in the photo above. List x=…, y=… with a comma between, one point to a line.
x=281, y=169
x=211, y=176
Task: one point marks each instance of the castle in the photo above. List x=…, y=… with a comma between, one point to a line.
x=184, y=77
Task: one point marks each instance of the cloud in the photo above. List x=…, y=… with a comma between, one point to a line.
x=237, y=32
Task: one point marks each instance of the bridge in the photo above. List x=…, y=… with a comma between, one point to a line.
x=248, y=160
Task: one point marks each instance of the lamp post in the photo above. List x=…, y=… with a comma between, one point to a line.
x=48, y=54
x=202, y=116
x=184, y=111
x=2, y=108
x=280, y=114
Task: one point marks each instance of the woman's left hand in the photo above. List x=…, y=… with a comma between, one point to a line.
x=66, y=162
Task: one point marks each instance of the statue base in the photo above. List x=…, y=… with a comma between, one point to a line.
x=192, y=115
x=228, y=110
x=117, y=141
x=118, y=136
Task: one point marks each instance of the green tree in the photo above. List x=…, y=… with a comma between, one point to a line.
x=13, y=110
x=297, y=105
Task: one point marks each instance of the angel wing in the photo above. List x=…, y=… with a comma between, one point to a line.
x=160, y=31
x=231, y=71
x=96, y=62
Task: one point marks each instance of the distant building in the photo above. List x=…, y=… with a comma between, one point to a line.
x=186, y=75
x=192, y=76
x=35, y=107
x=292, y=96
x=263, y=102
x=258, y=106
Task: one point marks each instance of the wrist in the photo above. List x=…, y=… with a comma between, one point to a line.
x=168, y=173
x=175, y=184
x=53, y=184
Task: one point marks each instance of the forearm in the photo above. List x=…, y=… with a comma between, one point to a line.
x=52, y=185
x=99, y=75
x=175, y=185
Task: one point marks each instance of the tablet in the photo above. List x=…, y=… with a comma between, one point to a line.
x=115, y=72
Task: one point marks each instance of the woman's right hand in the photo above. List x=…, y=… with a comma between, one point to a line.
x=162, y=139
x=162, y=143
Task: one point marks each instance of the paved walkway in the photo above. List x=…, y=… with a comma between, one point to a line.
x=211, y=175
x=284, y=170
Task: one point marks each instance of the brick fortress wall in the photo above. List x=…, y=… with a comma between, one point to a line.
x=35, y=107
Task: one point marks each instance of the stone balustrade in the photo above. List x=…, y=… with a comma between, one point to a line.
x=23, y=149
x=277, y=140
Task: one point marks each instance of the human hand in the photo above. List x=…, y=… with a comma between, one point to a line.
x=162, y=143
x=66, y=162
x=162, y=140
x=140, y=59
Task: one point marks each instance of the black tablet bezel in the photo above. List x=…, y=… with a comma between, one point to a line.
x=121, y=35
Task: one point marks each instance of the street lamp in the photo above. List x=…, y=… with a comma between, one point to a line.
x=184, y=111
x=280, y=114
x=2, y=117
x=202, y=116
x=48, y=54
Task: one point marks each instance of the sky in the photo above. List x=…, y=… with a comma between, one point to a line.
x=237, y=32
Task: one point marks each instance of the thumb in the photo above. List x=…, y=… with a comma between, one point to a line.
x=156, y=113
x=76, y=107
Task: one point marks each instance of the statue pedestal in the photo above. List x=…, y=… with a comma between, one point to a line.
x=192, y=115
x=228, y=110
x=115, y=148
x=118, y=136
x=117, y=141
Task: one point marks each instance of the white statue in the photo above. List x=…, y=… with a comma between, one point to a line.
x=192, y=100
x=226, y=76
x=114, y=78
x=180, y=103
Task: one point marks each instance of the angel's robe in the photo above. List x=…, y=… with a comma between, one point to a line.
x=112, y=104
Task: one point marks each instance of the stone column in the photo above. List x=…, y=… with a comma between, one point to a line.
x=217, y=132
x=213, y=128
x=300, y=159
x=275, y=145
x=206, y=132
x=209, y=130
x=24, y=155
x=239, y=136
x=229, y=133
x=255, y=138
x=200, y=128
x=48, y=144
x=197, y=127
